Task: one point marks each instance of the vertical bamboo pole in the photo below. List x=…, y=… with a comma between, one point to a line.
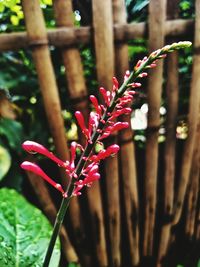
x=194, y=105
x=50, y=211
x=193, y=188
x=103, y=37
x=78, y=91
x=38, y=41
x=156, y=40
x=170, y=143
x=127, y=149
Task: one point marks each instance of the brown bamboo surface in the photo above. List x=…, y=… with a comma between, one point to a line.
x=38, y=40
x=172, y=92
x=104, y=50
x=157, y=13
x=193, y=189
x=77, y=90
x=169, y=153
x=197, y=223
x=127, y=148
x=194, y=105
x=78, y=94
x=70, y=36
x=50, y=211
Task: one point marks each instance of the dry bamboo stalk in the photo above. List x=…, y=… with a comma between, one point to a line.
x=103, y=37
x=194, y=105
x=38, y=40
x=172, y=91
x=98, y=229
x=197, y=223
x=127, y=149
x=76, y=86
x=78, y=90
x=170, y=151
x=193, y=188
x=68, y=36
x=157, y=12
x=50, y=211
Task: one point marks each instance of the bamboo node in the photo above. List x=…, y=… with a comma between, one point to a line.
x=35, y=43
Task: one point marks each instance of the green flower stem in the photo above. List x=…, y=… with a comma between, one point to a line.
x=89, y=147
x=58, y=223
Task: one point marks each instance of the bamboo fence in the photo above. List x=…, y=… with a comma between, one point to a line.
x=136, y=215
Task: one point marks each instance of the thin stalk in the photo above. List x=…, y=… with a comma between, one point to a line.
x=90, y=145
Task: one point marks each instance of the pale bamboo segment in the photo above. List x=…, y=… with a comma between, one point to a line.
x=172, y=91
x=157, y=13
x=38, y=41
x=169, y=153
x=127, y=148
x=78, y=94
x=193, y=188
x=98, y=228
x=104, y=49
x=50, y=211
x=194, y=105
x=72, y=61
x=76, y=86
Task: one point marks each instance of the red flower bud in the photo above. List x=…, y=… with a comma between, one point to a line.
x=113, y=149
x=81, y=123
x=143, y=74
x=32, y=167
x=105, y=94
x=33, y=147
x=127, y=74
x=115, y=127
x=115, y=84
x=119, y=112
x=96, y=105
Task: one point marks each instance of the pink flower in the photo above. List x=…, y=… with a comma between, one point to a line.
x=115, y=84
x=81, y=122
x=96, y=105
x=126, y=76
x=91, y=174
x=32, y=167
x=115, y=127
x=33, y=147
x=106, y=95
x=134, y=85
x=111, y=150
x=143, y=74
x=119, y=112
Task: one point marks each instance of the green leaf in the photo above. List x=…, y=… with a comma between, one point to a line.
x=13, y=132
x=2, y=7
x=71, y=264
x=5, y=161
x=14, y=20
x=24, y=232
x=47, y=2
